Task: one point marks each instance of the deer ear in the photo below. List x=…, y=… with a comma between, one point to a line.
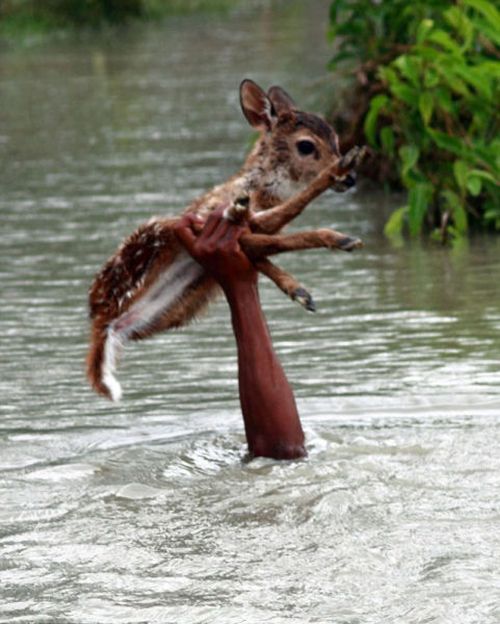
x=256, y=106
x=281, y=101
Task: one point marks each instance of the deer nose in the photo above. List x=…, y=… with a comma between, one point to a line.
x=343, y=184
x=349, y=180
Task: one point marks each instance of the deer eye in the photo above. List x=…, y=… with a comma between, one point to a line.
x=305, y=147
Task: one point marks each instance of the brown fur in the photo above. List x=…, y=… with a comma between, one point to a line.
x=274, y=171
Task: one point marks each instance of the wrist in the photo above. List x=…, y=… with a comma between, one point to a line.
x=241, y=290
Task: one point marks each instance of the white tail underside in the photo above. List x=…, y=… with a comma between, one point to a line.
x=160, y=296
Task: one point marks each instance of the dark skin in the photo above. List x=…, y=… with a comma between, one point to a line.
x=270, y=415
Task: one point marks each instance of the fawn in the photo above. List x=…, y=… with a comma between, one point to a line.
x=151, y=283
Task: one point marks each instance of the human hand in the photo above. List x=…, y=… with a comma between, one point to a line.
x=215, y=245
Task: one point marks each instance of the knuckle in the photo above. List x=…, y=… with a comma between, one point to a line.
x=229, y=247
x=208, y=249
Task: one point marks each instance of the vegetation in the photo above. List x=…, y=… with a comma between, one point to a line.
x=28, y=16
x=426, y=91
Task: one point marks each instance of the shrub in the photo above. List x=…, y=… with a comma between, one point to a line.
x=33, y=15
x=432, y=105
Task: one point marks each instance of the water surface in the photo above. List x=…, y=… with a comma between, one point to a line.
x=144, y=511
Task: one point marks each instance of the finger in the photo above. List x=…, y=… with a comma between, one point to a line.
x=212, y=222
x=233, y=232
x=191, y=219
x=185, y=234
x=231, y=237
x=219, y=232
x=196, y=221
x=197, y=225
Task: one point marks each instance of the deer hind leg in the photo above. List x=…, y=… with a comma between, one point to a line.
x=287, y=283
x=334, y=176
x=257, y=246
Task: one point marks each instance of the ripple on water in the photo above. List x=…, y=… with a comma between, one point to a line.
x=146, y=511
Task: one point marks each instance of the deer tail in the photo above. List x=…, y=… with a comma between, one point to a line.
x=106, y=345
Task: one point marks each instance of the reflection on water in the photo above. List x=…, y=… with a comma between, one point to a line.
x=144, y=512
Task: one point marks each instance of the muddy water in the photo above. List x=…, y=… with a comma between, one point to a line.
x=144, y=511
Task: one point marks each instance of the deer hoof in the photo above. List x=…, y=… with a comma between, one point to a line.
x=353, y=158
x=238, y=210
x=304, y=298
x=348, y=244
x=349, y=160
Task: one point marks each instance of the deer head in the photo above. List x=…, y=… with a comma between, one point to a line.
x=293, y=147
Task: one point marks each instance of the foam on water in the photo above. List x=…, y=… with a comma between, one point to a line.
x=146, y=511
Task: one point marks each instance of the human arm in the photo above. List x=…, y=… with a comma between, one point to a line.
x=270, y=415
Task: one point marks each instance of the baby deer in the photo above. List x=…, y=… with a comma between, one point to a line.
x=152, y=284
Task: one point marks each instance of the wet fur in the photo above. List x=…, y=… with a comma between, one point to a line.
x=151, y=284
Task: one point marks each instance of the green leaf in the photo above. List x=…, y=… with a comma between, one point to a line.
x=370, y=125
x=418, y=200
x=394, y=226
x=485, y=29
x=405, y=93
x=408, y=66
x=431, y=77
x=460, y=170
x=485, y=175
x=387, y=139
x=447, y=142
x=425, y=105
x=443, y=39
x=423, y=30
x=457, y=209
x=474, y=185
x=489, y=68
x=482, y=84
x=409, y=156
x=444, y=100
x=387, y=74
x=331, y=33
x=333, y=11
x=448, y=74
x=456, y=17
x=492, y=213
x=487, y=9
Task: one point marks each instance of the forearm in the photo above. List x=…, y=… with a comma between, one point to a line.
x=270, y=414
x=272, y=423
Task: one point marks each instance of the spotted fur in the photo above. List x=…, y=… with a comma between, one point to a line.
x=150, y=284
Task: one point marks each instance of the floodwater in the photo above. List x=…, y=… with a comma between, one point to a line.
x=145, y=511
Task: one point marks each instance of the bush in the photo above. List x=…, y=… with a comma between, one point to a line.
x=61, y=13
x=429, y=72
x=33, y=15
x=93, y=11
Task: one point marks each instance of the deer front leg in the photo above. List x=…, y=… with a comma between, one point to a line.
x=287, y=283
x=257, y=246
x=272, y=220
